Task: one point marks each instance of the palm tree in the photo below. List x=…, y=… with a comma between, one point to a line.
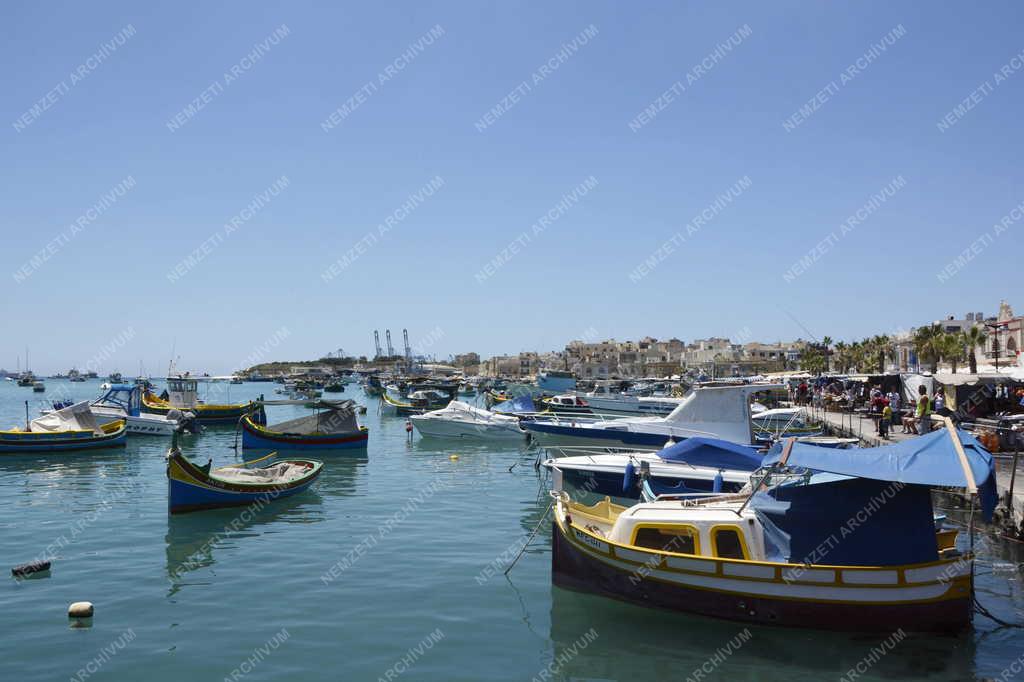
x=841, y=355
x=827, y=341
x=927, y=344
x=881, y=344
x=972, y=338
x=952, y=349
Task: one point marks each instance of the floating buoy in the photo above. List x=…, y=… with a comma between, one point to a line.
x=454, y=458
x=30, y=568
x=80, y=609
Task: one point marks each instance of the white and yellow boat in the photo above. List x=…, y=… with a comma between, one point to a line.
x=838, y=551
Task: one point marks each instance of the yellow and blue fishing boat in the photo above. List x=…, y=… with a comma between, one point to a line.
x=332, y=427
x=194, y=488
x=182, y=395
x=418, y=402
x=70, y=428
x=832, y=539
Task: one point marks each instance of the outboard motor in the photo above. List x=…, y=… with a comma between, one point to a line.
x=187, y=422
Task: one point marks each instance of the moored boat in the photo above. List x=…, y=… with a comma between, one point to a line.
x=182, y=395
x=194, y=488
x=332, y=427
x=464, y=421
x=70, y=428
x=418, y=402
x=800, y=551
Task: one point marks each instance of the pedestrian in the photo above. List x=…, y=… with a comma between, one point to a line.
x=923, y=411
x=883, y=423
x=940, y=401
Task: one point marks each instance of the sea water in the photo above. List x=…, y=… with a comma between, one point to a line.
x=391, y=568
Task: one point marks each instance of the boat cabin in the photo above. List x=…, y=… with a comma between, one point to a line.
x=567, y=401
x=127, y=397
x=182, y=392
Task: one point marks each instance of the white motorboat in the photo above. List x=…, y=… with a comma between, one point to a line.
x=462, y=420
x=123, y=401
x=714, y=412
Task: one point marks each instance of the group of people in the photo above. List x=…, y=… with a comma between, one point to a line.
x=886, y=408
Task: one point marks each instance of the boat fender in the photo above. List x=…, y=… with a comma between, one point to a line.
x=30, y=568
x=716, y=485
x=408, y=426
x=80, y=609
x=627, y=478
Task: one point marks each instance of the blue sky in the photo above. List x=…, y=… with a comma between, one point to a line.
x=417, y=123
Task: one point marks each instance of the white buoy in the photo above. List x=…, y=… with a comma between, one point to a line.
x=80, y=609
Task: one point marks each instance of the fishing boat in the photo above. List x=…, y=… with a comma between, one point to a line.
x=27, y=378
x=182, y=395
x=373, y=385
x=194, y=488
x=464, y=421
x=332, y=427
x=830, y=539
x=566, y=404
x=75, y=376
x=418, y=402
x=782, y=422
x=714, y=412
x=70, y=428
x=38, y=387
x=467, y=389
x=335, y=387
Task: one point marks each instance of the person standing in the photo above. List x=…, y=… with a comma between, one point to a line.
x=923, y=412
x=883, y=423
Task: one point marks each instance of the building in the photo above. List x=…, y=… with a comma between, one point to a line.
x=1004, y=338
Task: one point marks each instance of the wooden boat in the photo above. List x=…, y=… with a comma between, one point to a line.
x=182, y=395
x=194, y=488
x=789, y=554
x=417, y=403
x=70, y=428
x=333, y=427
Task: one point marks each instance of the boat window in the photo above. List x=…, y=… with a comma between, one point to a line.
x=681, y=540
x=728, y=543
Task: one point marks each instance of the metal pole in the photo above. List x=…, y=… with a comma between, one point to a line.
x=1013, y=474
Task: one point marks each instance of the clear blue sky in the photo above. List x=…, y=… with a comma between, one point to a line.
x=418, y=124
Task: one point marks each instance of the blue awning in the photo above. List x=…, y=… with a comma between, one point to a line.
x=930, y=460
x=713, y=452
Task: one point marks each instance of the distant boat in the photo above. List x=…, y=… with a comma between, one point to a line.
x=193, y=488
x=71, y=428
x=38, y=387
x=417, y=402
x=74, y=375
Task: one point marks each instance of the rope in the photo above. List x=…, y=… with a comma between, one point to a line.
x=530, y=539
x=988, y=614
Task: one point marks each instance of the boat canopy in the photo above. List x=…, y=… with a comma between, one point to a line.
x=127, y=397
x=713, y=452
x=720, y=410
x=76, y=417
x=929, y=460
x=839, y=520
x=337, y=418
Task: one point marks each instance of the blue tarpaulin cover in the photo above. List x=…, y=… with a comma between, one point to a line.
x=713, y=452
x=842, y=521
x=928, y=460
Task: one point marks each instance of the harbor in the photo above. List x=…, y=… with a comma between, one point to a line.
x=449, y=342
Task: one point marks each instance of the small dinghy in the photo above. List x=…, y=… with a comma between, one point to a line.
x=193, y=488
x=332, y=427
x=72, y=428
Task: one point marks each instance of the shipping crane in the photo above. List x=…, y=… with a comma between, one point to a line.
x=376, y=342
x=408, y=350
x=391, y=349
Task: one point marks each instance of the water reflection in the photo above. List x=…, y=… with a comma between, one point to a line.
x=675, y=646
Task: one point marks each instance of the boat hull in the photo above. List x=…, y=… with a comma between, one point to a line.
x=189, y=489
x=559, y=434
x=255, y=437
x=439, y=428
x=206, y=414
x=575, y=568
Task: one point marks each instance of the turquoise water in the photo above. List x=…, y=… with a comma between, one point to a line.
x=419, y=594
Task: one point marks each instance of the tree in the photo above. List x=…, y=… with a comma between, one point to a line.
x=827, y=342
x=971, y=339
x=842, y=359
x=927, y=344
x=881, y=347
x=952, y=346
x=812, y=359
